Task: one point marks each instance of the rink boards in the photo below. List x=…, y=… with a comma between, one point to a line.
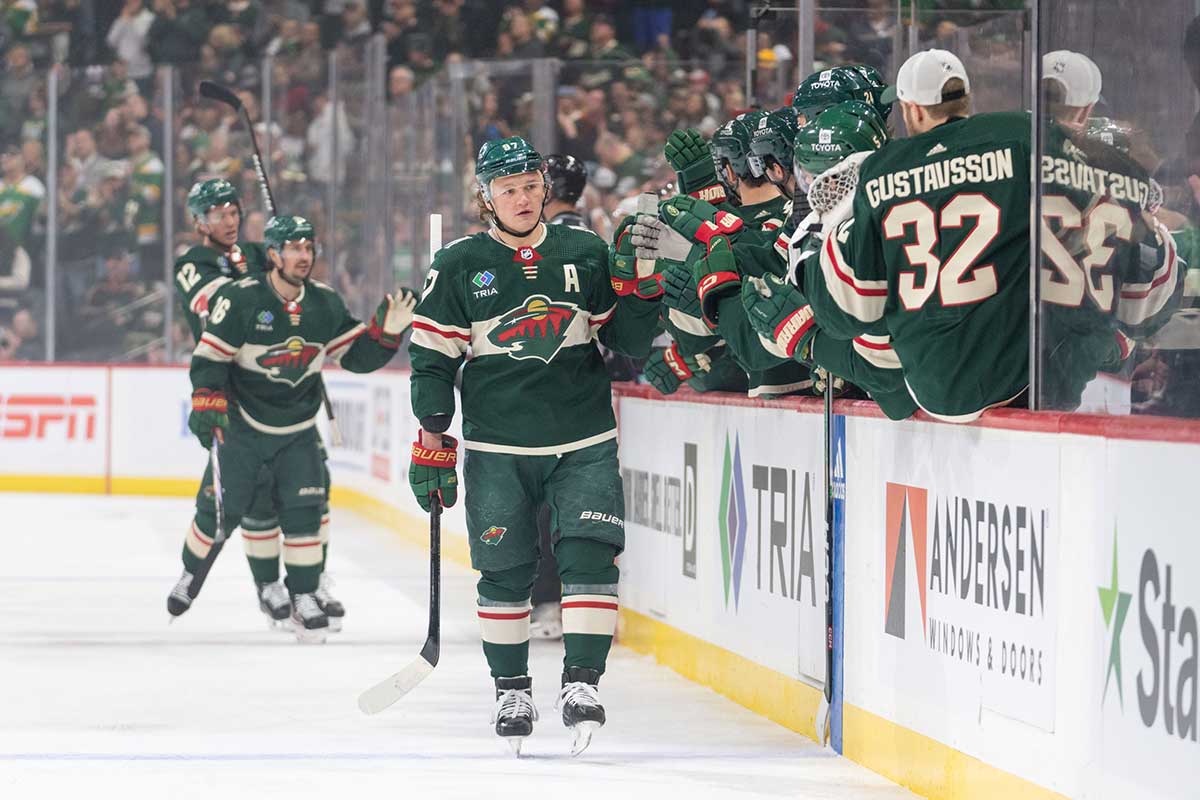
x=1019, y=595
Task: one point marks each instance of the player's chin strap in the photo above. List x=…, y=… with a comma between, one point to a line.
x=498, y=224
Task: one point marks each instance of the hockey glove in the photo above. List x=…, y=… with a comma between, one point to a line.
x=780, y=315
x=691, y=158
x=432, y=471
x=210, y=412
x=697, y=220
x=652, y=239
x=668, y=368
x=392, y=318
x=630, y=274
x=679, y=289
x=716, y=278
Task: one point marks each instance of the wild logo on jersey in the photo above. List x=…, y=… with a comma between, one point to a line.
x=288, y=362
x=493, y=535
x=536, y=329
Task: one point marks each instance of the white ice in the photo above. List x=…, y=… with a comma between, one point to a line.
x=100, y=698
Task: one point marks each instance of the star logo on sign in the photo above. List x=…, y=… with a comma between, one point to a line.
x=1114, y=604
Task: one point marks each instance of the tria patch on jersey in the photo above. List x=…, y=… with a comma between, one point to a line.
x=535, y=329
x=493, y=535
x=288, y=362
x=937, y=149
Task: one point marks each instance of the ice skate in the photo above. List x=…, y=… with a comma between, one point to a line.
x=515, y=712
x=273, y=601
x=333, y=608
x=178, y=600
x=308, y=620
x=545, y=622
x=579, y=701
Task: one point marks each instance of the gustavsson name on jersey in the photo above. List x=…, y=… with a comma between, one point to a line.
x=268, y=352
x=535, y=383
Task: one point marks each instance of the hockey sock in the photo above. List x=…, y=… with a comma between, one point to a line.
x=324, y=534
x=504, y=619
x=301, y=548
x=199, y=539
x=589, y=603
x=260, y=541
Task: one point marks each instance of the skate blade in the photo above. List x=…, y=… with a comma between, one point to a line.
x=306, y=636
x=514, y=744
x=583, y=735
x=335, y=624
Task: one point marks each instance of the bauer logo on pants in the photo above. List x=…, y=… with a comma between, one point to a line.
x=493, y=535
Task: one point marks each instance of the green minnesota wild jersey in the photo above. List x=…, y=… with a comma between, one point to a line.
x=145, y=197
x=267, y=354
x=201, y=271
x=937, y=253
x=18, y=204
x=768, y=374
x=534, y=382
x=1108, y=271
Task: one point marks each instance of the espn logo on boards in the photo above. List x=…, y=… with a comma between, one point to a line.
x=48, y=416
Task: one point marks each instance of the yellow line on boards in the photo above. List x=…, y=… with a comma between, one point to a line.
x=926, y=766
x=778, y=697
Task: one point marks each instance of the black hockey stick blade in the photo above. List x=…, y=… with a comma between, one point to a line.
x=388, y=691
x=222, y=94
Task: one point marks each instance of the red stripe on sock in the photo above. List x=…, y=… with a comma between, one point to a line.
x=494, y=615
x=588, y=604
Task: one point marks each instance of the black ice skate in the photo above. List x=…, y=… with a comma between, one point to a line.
x=178, y=600
x=273, y=601
x=333, y=608
x=580, y=703
x=308, y=620
x=515, y=712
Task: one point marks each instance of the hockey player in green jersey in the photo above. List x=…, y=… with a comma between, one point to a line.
x=261, y=353
x=530, y=300
x=827, y=153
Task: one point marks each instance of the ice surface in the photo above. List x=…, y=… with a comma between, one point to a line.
x=101, y=698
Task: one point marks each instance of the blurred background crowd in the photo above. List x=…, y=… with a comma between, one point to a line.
x=373, y=111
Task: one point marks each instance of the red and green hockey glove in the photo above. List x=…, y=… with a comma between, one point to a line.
x=210, y=413
x=716, y=278
x=780, y=315
x=432, y=471
x=691, y=158
x=631, y=275
x=697, y=220
x=666, y=369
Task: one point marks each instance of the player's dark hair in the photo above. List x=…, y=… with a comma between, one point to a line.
x=958, y=107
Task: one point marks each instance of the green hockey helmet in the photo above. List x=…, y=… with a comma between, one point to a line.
x=773, y=140
x=829, y=87
x=835, y=134
x=731, y=143
x=878, y=85
x=867, y=113
x=209, y=194
x=502, y=157
x=283, y=229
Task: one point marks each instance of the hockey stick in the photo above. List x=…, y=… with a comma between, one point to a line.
x=826, y=704
x=386, y=692
x=223, y=94
x=201, y=573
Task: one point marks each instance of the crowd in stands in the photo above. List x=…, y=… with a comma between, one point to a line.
x=631, y=71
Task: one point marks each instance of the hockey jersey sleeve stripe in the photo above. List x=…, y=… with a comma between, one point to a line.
x=875, y=353
x=346, y=338
x=214, y=349
x=447, y=346
x=863, y=300
x=600, y=319
x=1140, y=301
x=441, y=329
